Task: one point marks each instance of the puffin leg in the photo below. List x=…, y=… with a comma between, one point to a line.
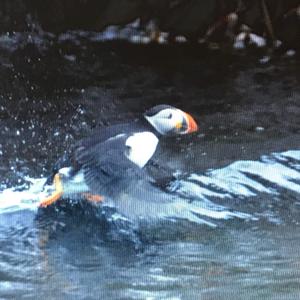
x=93, y=197
x=57, y=193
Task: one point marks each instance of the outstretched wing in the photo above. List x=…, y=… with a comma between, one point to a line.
x=107, y=169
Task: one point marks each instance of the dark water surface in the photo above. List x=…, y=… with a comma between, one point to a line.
x=239, y=176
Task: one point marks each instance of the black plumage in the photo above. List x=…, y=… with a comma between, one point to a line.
x=106, y=168
x=101, y=155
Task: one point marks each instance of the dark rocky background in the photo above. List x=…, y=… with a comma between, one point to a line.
x=53, y=90
x=191, y=18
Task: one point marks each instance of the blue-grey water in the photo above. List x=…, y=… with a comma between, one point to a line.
x=251, y=252
x=233, y=228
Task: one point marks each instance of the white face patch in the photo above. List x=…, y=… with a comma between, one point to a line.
x=141, y=146
x=166, y=120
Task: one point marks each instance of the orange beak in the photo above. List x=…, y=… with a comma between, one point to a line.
x=192, y=125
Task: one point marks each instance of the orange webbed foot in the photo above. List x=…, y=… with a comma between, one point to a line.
x=57, y=193
x=93, y=197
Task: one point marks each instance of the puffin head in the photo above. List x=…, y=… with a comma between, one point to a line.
x=168, y=120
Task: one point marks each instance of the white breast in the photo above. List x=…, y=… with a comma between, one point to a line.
x=141, y=146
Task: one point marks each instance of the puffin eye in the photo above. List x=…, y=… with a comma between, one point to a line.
x=128, y=150
x=170, y=116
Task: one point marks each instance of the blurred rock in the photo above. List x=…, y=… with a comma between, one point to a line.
x=13, y=15
x=189, y=18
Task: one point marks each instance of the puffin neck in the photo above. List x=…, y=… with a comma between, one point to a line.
x=145, y=124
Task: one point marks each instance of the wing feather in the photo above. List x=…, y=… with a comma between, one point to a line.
x=107, y=170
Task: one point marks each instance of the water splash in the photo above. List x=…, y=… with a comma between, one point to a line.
x=149, y=204
x=192, y=198
x=245, y=178
x=21, y=198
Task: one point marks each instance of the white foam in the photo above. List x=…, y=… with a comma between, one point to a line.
x=275, y=173
x=192, y=198
x=230, y=180
x=16, y=199
x=234, y=179
x=294, y=154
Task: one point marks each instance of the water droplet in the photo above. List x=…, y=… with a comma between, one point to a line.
x=259, y=128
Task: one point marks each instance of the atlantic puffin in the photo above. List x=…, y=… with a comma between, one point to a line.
x=112, y=159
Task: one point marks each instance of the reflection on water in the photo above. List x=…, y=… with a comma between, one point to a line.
x=250, y=246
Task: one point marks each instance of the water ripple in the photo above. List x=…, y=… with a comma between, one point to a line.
x=195, y=197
